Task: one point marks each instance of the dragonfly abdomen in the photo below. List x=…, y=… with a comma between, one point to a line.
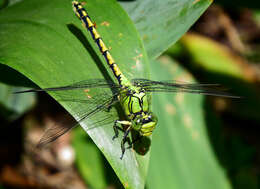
x=85, y=19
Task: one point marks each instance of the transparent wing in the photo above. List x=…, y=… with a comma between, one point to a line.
x=86, y=109
x=85, y=84
x=85, y=100
x=175, y=86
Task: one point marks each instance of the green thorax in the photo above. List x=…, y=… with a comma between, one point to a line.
x=133, y=99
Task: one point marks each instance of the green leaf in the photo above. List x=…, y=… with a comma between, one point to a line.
x=93, y=168
x=12, y=106
x=89, y=160
x=181, y=149
x=5, y=3
x=162, y=23
x=221, y=65
x=212, y=56
x=45, y=41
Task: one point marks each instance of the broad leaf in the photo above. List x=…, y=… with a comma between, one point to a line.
x=46, y=42
x=181, y=155
x=13, y=106
x=221, y=65
x=162, y=23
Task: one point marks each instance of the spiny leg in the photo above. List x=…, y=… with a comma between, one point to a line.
x=116, y=127
x=126, y=133
x=125, y=137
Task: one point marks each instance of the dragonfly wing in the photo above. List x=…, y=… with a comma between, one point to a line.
x=146, y=83
x=51, y=134
x=175, y=86
x=104, y=102
x=85, y=84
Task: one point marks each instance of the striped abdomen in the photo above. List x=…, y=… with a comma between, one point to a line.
x=84, y=17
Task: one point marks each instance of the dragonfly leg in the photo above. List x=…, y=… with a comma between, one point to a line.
x=116, y=127
x=125, y=138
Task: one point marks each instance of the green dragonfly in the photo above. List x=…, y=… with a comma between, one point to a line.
x=133, y=95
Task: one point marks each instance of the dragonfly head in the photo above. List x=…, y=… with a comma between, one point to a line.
x=145, y=123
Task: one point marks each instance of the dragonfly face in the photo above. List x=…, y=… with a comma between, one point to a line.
x=144, y=123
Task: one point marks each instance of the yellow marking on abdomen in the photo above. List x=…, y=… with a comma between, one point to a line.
x=90, y=24
x=95, y=33
x=109, y=58
x=117, y=71
x=102, y=45
x=85, y=19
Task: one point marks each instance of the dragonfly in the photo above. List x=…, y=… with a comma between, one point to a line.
x=133, y=95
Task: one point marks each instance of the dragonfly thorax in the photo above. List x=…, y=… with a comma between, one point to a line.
x=134, y=102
